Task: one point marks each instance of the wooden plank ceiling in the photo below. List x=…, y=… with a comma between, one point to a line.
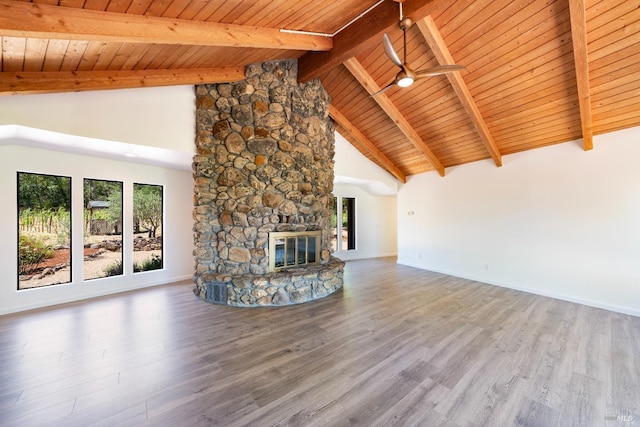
x=538, y=72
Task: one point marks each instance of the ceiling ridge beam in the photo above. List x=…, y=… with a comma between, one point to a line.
x=581, y=61
x=12, y=83
x=363, y=34
x=392, y=111
x=387, y=164
x=34, y=20
x=430, y=32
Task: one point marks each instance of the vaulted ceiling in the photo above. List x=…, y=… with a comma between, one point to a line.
x=538, y=72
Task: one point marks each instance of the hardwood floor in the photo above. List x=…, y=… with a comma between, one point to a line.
x=398, y=346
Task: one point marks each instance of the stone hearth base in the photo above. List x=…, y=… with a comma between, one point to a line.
x=293, y=286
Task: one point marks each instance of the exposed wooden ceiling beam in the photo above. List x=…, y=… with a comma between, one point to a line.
x=361, y=35
x=23, y=19
x=433, y=37
x=364, y=141
x=581, y=60
x=68, y=81
x=385, y=103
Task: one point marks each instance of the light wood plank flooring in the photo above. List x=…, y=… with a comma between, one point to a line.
x=397, y=346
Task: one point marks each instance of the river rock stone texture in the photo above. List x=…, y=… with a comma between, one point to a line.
x=264, y=163
x=294, y=286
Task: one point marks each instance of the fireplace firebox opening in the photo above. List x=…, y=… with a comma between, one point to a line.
x=289, y=249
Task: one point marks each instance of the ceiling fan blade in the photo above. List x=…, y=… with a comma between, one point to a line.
x=439, y=70
x=390, y=51
x=386, y=88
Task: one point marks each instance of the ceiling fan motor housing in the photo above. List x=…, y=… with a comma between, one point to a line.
x=405, y=23
x=405, y=77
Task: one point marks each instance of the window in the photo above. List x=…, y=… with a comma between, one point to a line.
x=147, y=227
x=44, y=230
x=102, y=228
x=334, y=225
x=346, y=229
x=348, y=223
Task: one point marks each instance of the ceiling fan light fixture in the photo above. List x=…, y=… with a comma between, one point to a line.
x=405, y=77
x=405, y=81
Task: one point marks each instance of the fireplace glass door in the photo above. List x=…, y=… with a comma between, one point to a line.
x=293, y=249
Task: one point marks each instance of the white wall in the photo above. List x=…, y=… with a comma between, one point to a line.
x=376, y=202
x=178, y=240
x=351, y=167
x=151, y=117
x=556, y=221
x=160, y=117
x=376, y=227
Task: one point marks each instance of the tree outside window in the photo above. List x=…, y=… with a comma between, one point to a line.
x=102, y=228
x=147, y=227
x=44, y=230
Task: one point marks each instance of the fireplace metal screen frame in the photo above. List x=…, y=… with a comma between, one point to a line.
x=285, y=238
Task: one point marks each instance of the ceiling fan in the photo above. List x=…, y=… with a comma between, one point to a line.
x=407, y=76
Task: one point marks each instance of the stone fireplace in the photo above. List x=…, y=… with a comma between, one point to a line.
x=263, y=172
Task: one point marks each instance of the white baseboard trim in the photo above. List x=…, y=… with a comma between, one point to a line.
x=563, y=297
x=126, y=287
x=345, y=256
